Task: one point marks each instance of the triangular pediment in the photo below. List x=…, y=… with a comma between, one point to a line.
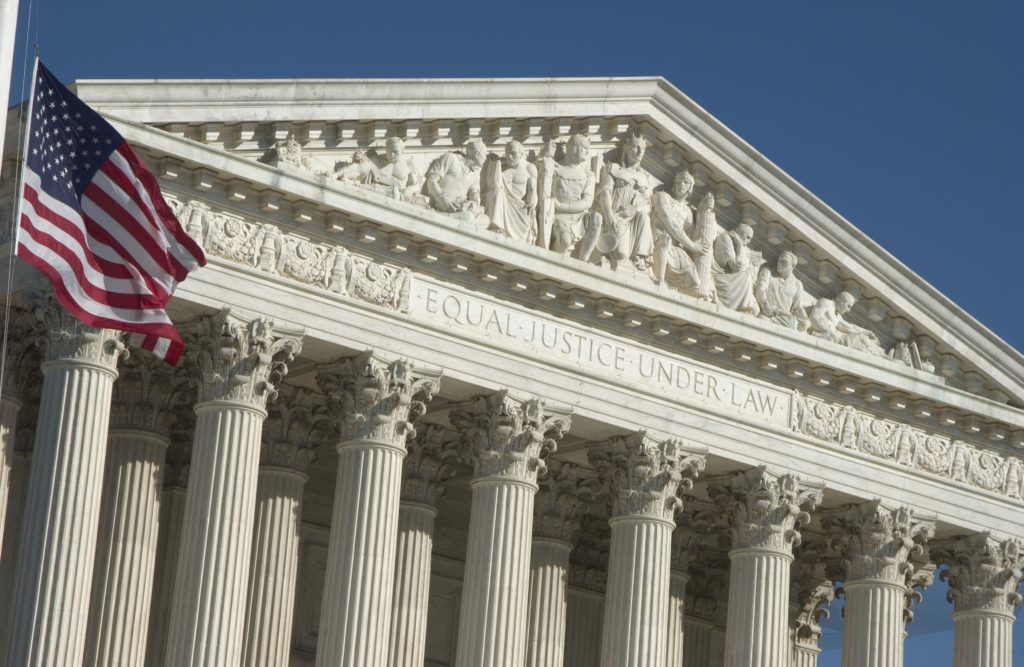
x=220, y=136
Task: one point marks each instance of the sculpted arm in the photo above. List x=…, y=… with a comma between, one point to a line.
x=764, y=277
x=531, y=187
x=437, y=170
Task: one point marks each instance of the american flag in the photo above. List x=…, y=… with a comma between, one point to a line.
x=94, y=222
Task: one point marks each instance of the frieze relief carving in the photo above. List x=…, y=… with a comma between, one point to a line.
x=845, y=426
x=263, y=246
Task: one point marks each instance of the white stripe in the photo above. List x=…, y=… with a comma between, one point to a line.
x=86, y=302
x=184, y=257
x=94, y=277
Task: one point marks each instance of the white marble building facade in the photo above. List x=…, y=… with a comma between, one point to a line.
x=547, y=373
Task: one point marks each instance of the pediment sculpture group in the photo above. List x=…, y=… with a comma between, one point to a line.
x=620, y=218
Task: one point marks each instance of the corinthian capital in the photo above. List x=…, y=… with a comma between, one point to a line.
x=65, y=338
x=290, y=431
x=765, y=510
x=644, y=476
x=429, y=464
x=371, y=398
x=239, y=360
x=23, y=332
x=984, y=572
x=557, y=507
x=506, y=436
x=810, y=594
x=877, y=542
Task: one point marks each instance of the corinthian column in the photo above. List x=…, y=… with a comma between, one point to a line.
x=123, y=575
x=19, y=362
x=876, y=543
x=706, y=596
x=372, y=405
x=764, y=513
x=643, y=479
x=685, y=543
x=288, y=441
x=505, y=437
x=984, y=574
x=811, y=592
x=429, y=463
x=555, y=527
x=240, y=364
x=61, y=515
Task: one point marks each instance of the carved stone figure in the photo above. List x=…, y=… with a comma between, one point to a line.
x=288, y=153
x=910, y=354
x=400, y=176
x=453, y=182
x=781, y=297
x=623, y=198
x=360, y=170
x=674, y=245
x=509, y=189
x=827, y=321
x=546, y=167
x=575, y=227
x=735, y=269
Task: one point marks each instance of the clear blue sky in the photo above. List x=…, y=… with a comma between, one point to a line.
x=903, y=116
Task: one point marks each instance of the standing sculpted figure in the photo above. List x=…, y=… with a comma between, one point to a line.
x=453, y=182
x=674, y=245
x=509, y=189
x=735, y=269
x=400, y=176
x=781, y=297
x=827, y=321
x=546, y=166
x=624, y=201
x=575, y=227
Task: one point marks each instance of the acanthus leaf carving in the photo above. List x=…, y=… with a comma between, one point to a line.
x=371, y=398
x=811, y=593
x=764, y=510
x=984, y=572
x=22, y=354
x=63, y=337
x=237, y=359
x=148, y=395
x=557, y=506
x=429, y=463
x=291, y=431
x=507, y=436
x=641, y=475
x=878, y=542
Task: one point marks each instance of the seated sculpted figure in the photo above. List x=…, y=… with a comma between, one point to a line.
x=509, y=189
x=735, y=269
x=624, y=201
x=400, y=177
x=781, y=297
x=827, y=321
x=674, y=245
x=574, y=227
x=453, y=182
x=360, y=170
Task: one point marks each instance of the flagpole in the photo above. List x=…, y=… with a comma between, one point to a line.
x=8, y=34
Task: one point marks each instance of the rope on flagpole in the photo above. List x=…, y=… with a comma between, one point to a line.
x=22, y=129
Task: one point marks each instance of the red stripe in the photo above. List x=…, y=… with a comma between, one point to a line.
x=163, y=330
x=167, y=217
x=112, y=299
x=133, y=227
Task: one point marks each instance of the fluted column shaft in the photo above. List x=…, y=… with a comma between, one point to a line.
x=9, y=408
x=549, y=576
x=361, y=557
x=492, y=623
x=123, y=574
x=757, y=629
x=699, y=643
x=675, y=633
x=208, y=614
x=982, y=638
x=873, y=623
x=636, y=603
x=407, y=646
x=172, y=516
x=58, y=542
x=275, y=557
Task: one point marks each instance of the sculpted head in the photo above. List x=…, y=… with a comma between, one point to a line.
x=633, y=150
x=682, y=184
x=844, y=302
x=787, y=262
x=476, y=153
x=393, y=149
x=745, y=232
x=513, y=153
x=577, y=149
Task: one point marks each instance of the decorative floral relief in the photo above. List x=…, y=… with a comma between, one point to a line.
x=264, y=247
x=908, y=446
